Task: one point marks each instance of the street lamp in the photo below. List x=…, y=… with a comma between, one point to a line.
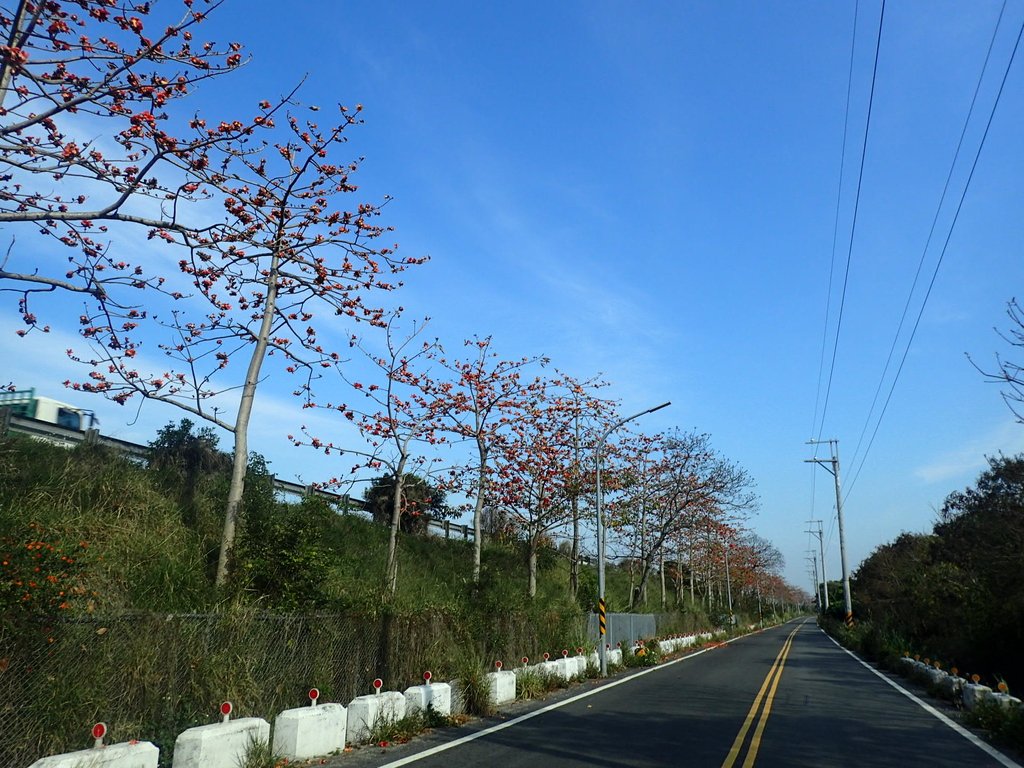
x=602, y=650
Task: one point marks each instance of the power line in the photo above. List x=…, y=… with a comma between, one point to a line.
x=835, y=225
x=835, y=242
x=942, y=254
x=928, y=241
x=853, y=224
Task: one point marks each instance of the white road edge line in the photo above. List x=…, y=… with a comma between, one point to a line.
x=986, y=748
x=522, y=718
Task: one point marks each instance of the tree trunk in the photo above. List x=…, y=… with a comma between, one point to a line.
x=391, y=576
x=478, y=510
x=648, y=564
x=662, y=577
x=532, y=566
x=240, y=460
x=689, y=562
x=643, y=547
x=632, y=575
x=15, y=40
x=679, y=573
x=574, y=554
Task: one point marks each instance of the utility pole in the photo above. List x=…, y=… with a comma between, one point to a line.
x=833, y=445
x=821, y=546
x=728, y=582
x=813, y=560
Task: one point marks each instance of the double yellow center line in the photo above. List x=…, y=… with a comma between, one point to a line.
x=764, y=696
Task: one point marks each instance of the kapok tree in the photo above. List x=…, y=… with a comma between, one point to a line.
x=630, y=462
x=284, y=254
x=688, y=484
x=395, y=419
x=477, y=401
x=756, y=559
x=250, y=279
x=90, y=141
x=589, y=414
x=533, y=472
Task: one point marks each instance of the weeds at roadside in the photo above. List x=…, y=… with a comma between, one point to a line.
x=645, y=654
x=534, y=684
x=1005, y=724
x=475, y=687
x=259, y=754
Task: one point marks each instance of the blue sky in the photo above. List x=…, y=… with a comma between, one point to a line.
x=649, y=191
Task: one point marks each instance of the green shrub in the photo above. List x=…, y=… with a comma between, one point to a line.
x=474, y=687
x=533, y=684
x=1005, y=724
x=647, y=654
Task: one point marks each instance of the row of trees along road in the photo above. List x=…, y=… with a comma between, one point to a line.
x=255, y=210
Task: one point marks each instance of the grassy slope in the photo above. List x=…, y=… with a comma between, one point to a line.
x=144, y=552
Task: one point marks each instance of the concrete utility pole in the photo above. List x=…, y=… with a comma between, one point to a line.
x=834, y=469
x=813, y=573
x=728, y=583
x=601, y=605
x=821, y=546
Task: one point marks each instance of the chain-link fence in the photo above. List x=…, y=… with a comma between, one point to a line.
x=622, y=628
x=150, y=676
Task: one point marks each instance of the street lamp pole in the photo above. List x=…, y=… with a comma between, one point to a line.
x=599, y=455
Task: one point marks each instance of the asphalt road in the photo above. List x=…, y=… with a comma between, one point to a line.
x=785, y=697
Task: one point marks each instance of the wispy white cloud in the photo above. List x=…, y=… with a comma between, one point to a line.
x=968, y=459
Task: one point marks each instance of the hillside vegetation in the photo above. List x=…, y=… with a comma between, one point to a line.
x=145, y=538
x=109, y=609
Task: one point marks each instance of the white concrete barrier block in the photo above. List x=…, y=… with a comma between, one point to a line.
x=666, y=646
x=502, y=686
x=365, y=712
x=566, y=668
x=1004, y=700
x=550, y=669
x=950, y=686
x=141, y=754
x=219, y=745
x=436, y=696
x=614, y=656
x=594, y=659
x=974, y=694
x=306, y=732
